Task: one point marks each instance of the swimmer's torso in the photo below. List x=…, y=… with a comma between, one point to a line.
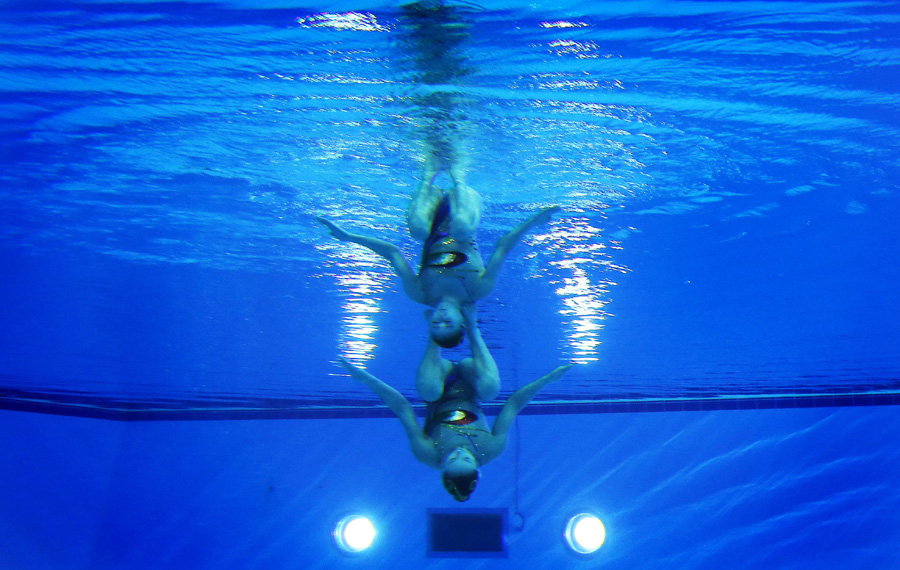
x=456, y=421
x=450, y=268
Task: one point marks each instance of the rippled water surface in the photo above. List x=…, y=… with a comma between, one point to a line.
x=727, y=174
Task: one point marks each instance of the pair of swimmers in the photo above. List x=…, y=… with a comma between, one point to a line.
x=456, y=437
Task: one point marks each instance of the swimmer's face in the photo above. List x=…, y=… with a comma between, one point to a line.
x=460, y=473
x=446, y=323
x=460, y=461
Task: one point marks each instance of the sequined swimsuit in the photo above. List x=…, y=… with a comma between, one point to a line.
x=440, y=235
x=455, y=420
x=449, y=267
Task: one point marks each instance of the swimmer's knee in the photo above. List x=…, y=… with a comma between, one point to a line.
x=488, y=394
x=419, y=229
x=421, y=211
x=488, y=388
x=419, y=218
x=466, y=207
x=430, y=390
x=463, y=228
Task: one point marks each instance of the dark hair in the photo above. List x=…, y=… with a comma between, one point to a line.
x=450, y=341
x=460, y=486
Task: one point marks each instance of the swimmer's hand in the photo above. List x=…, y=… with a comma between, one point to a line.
x=508, y=241
x=334, y=229
x=541, y=217
x=356, y=373
x=557, y=374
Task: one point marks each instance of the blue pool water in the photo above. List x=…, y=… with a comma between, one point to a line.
x=725, y=258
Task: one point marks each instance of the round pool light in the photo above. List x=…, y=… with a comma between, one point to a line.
x=585, y=533
x=353, y=533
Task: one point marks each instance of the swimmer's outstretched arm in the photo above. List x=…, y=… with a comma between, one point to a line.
x=507, y=242
x=520, y=399
x=422, y=446
x=385, y=249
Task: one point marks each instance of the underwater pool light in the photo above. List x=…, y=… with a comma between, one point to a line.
x=585, y=533
x=354, y=533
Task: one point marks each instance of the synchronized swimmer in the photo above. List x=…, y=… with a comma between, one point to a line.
x=452, y=276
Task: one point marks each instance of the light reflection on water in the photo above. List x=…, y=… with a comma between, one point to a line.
x=583, y=261
x=357, y=339
x=174, y=143
x=347, y=21
x=362, y=283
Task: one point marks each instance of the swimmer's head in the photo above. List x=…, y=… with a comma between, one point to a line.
x=460, y=473
x=446, y=324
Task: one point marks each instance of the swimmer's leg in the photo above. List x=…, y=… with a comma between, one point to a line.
x=480, y=371
x=432, y=372
x=465, y=206
x=485, y=382
x=425, y=201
